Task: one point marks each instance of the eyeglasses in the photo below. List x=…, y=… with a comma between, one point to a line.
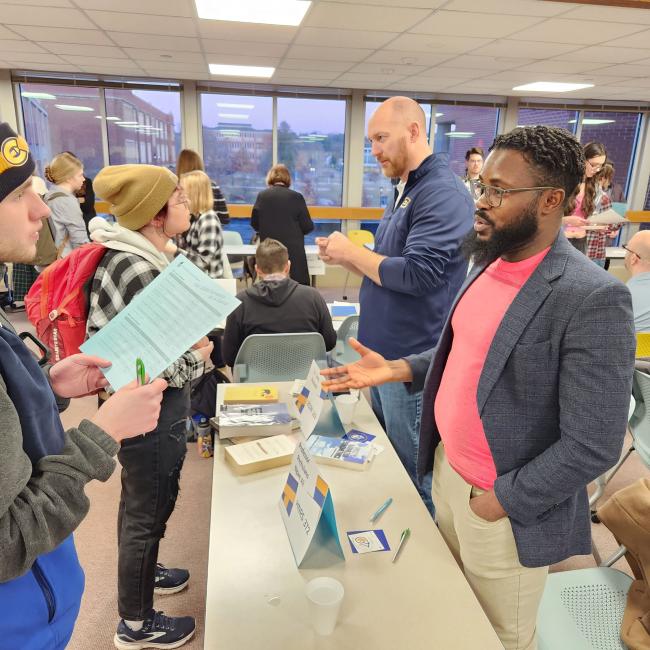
x=494, y=195
x=631, y=251
x=596, y=167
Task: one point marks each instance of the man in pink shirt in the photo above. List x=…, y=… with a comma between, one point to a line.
x=526, y=394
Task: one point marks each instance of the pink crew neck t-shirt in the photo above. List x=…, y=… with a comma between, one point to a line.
x=474, y=323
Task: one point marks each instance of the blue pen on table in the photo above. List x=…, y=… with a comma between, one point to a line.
x=405, y=535
x=380, y=510
x=140, y=374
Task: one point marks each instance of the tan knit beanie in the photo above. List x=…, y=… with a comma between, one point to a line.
x=137, y=193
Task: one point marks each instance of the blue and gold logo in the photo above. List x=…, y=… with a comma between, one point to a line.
x=405, y=202
x=14, y=152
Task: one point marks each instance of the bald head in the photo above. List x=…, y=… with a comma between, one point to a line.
x=398, y=134
x=637, y=259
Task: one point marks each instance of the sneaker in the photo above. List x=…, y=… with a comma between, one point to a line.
x=158, y=631
x=170, y=581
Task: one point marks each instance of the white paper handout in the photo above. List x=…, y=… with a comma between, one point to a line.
x=161, y=323
x=607, y=217
x=309, y=402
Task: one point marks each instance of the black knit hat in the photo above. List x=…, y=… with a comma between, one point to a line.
x=16, y=163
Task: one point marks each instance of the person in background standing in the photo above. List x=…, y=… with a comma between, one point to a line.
x=282, y=214
x=86, y=197
x=66, y=173
x=473, y=164
x=190, y=161
x=607, y=183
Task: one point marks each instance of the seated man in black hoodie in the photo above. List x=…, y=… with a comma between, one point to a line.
x=276, y=304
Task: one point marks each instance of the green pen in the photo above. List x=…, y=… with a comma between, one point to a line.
x=139, y=371
x=405, y=535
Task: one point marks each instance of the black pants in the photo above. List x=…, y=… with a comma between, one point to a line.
x=151, y=468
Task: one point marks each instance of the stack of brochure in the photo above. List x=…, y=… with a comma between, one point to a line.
x=236, y=420
x=342, y=452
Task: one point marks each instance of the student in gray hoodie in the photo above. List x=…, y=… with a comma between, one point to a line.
x=276, y=304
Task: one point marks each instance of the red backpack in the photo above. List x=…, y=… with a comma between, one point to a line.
x=57, y=303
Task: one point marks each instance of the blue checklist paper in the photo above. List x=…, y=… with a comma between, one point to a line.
x=341, y=311
x=161, y=323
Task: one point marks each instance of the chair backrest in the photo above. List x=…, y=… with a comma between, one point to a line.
x=343, y=353
x=232, y=237
x=349, y=327
x=361, y=237
x=640, y=420
x=278, y=357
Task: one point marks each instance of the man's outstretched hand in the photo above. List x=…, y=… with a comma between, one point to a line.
x=371, y=370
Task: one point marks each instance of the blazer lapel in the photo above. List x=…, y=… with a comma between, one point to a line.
x=521, y=311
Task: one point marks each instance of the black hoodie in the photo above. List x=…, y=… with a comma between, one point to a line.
x=276, y=307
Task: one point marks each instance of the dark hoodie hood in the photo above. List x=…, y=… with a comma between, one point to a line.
x=274, y=292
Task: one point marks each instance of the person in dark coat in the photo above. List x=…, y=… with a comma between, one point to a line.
x=282, y=214
x=276, y=304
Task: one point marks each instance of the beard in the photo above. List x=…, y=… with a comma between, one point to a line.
x=398, y=164
x=506, y=239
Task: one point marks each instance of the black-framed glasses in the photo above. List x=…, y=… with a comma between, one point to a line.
x=596, y=167
x=494, y=195
x=629, y=250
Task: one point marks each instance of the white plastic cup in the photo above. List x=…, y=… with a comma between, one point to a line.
x=346, y=405
x=325, y=596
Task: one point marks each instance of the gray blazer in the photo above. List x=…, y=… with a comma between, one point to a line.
x=553, y=398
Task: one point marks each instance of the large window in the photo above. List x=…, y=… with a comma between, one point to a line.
x=63, y=118
x=619, y=133
x=548, y=117
x=377, y=189
x=144, y=126
x=237, y=143
x=311, y=142
x=458, y=128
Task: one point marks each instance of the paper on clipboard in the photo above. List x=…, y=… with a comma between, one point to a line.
x=608, y=217
x=161, y=323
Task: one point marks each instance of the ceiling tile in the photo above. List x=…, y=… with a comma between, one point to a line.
x=455, y=23
x=389, y=19
x=128, y=70
x=312, y=75
x=528, y=49
x=229, y=31
x=254, y=49
x=343, y=37
x=484, y=62
x=558, y=30
x=63, y=35
x=415, y=84
x=508, y=7
x=632, y=83
x=44, y=16
x=402, y=57
x=627, y=70
x=518, y=77
x=19, y=46
x=163, y=56
x=436, y=44
x=156, y=42
x=415, y=4
x=308, y=64
x=327, y=54
x=602, y=54
x=568, y=67
x=610, y=14
x=482, y=86
x=7, y=33
x=154, y=7
x=86, y=50
x=301, y=81
x=33, y=57
x=142, y=24
x=640, y=40
x=376, y=80
x=46, y=67
x=457, y=74
x=387, y=69
x=41, y=3
x=85, y=60
x=175, y=66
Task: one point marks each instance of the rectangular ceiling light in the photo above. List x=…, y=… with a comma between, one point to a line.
x=73, y=107
x=33, y=95
x=279, y=12
x=246, y=107
x=460, y=134
x=552, y=87
x=591, y=121
x=241, y=70
x=234, y=116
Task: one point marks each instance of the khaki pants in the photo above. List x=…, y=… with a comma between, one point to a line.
x=508, y=592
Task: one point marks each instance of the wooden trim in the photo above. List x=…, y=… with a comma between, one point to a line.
x=241, y=211
x=638, y=216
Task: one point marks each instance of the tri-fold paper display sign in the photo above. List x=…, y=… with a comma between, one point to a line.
x=307, y=511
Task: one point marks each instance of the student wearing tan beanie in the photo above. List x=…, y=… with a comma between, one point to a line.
x=150, y=209
x=66, y=176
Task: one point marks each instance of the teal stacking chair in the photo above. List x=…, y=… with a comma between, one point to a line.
x=343, y=353
x=278, y=357
x=583, y=610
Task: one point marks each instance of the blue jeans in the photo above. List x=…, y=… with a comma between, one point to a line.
x=399, y=412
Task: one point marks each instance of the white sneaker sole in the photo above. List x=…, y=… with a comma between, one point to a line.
x=141, y=646
x=166, y=591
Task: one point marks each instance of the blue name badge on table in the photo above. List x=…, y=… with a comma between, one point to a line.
x=161, y=323
x=307, y=511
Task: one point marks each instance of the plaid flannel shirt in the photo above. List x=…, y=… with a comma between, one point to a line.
x=119, y=278
x=597, y=239
x=203, y=242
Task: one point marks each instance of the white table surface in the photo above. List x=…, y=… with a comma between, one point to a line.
x=614, y=252
x=421, y=602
